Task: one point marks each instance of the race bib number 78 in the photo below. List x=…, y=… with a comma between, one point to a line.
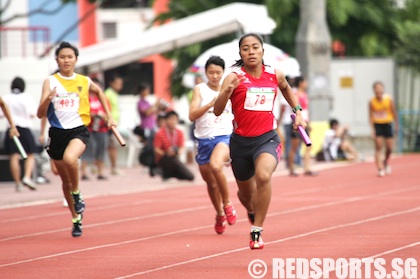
x=260, y=98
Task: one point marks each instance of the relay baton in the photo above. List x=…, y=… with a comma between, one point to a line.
x=302, y=132
x=118, y=135
x=20, y=147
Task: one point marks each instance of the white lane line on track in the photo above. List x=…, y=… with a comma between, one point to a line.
x=180, y=211
x=209, y=226
x=154, y=188
x=282, y=196
x=377, y=218
x=166, y=213
x=320, y=275
x=66, y=212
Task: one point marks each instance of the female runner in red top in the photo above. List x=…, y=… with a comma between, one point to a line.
x=254, y=145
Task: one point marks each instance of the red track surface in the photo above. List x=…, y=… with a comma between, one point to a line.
x=346, y=212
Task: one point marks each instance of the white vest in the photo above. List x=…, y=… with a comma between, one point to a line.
x=210, y=125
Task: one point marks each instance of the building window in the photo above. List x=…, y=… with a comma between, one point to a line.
x=109, y=30
x=112, y=4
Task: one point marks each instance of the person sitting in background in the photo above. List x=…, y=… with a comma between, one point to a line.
x=168, y=144
x=335, y=145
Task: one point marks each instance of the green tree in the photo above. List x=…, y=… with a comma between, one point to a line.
x=365, y=27
x=187, y=55
x=407, y=25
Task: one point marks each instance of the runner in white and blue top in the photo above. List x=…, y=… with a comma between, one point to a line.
x=212, y=135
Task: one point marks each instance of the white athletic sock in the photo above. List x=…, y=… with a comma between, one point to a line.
x=255, y=228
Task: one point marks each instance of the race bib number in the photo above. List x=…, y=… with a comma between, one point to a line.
x=68, y=102
x=260, y=98
x=379, y=115
x=220, y=121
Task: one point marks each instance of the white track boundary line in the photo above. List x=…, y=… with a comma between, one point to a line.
x=364, y=259
x=276, y=241
x=66, y=212
x=180, y=211
x=205, y=227
x=177, y=184
x=166, y=213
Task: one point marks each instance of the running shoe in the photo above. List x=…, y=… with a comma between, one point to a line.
x=220, y=225
x=77, y=228
x=387, y=167
x=256, y=241
x=381, y=173
x=79, y=203
x=85, y=177
x=19, y=187
x=65, y=203
x=29, y=183
x=116, y=171
x=230, y=213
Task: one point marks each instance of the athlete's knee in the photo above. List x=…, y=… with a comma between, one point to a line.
x=263, y=177
x=216, y=167
x=212, y=186
x=70, y=159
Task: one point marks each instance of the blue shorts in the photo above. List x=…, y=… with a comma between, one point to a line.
x=205, y=148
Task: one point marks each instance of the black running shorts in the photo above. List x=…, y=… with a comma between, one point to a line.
x=26, y=138
x=245, y=150
x=384, y=130
x=60, y=138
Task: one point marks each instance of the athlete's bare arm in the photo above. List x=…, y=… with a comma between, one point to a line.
x=195, y=110
x=229, y=84
x=101, y=96
x=46, y=97
x=290, y=97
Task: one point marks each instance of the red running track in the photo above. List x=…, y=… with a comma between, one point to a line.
x=346, y=212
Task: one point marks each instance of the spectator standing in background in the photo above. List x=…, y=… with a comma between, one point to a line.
x=112, y=93
x=302, y=96
x=6, y=113
x=286, y=122
x=99, y=138
x=148, y=124
x=22, y=108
